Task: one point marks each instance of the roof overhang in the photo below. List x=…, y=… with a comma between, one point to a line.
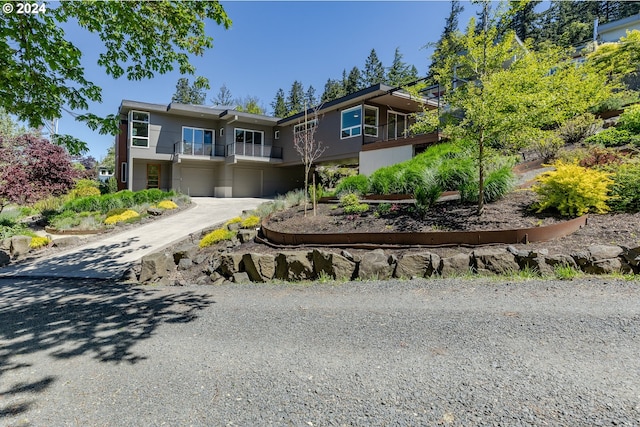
x=231, y=116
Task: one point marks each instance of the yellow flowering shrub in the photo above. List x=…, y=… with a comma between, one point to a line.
x=167, y=204
x=573, y=190
x=233, y=220
x=39, y=242
x=216, y=236
x=250, y=222
x=124, y=216
x=85, y=192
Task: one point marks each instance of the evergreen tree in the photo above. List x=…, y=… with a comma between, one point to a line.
x=189, y=94
x=295, y=100
x=521, y=18
x=279, y=106
x=353, y=81
x=310, y=96
x=223, y=97
x=450, y=27
x=400, y=73
x=373, y=70
x=333, y=89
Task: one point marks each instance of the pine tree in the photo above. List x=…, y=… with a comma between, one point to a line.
x=223, y=97
x=279, y=106
x=373, y=70
x=333, y=89
x=400, y=73
x=310, y=97
x=444, y=45
x=295, y=100
x=522, y=19
x=189, y=94
x=353, y=81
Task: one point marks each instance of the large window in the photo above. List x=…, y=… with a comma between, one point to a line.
x=139, y=128
x=306, y=125
x=249, y=136
x=351, y=122
x=370, y=120
x=396, y=125
x=196, y=141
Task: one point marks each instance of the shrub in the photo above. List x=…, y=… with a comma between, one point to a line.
x=625, y=196
x=125, y=216
x=126, y=197
x=547, y=144
x=216, y=236
x=349, y=199
x=610, y=137
x=578, y=128
x=573, y=190
x=630, y=119
x=234, y=220
x=85, y=192
x=356, y=209
x=110, y=201
x=599, y=157
x=84, y=204
x=167, y=204
x=39, y=242
x=250, y=222
x=383, y=209
x=155, y=195
x=354, y=184
x=141, y=197
x=497, y=183
x=293, y=198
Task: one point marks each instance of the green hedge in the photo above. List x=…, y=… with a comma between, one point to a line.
x=119, y=200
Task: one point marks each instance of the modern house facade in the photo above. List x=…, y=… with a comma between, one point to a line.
x=219, y=152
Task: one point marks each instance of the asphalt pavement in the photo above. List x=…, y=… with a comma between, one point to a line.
x=111, y=256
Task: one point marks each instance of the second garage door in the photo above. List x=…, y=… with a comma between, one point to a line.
x=197, y=182
x=247, y=182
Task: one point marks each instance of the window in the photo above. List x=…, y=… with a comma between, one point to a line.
x=222, y=132
x=351, y=122
x=276, y=135
x=153, y=175
x=396, y=125
x=307, y=125
x=196, y=141
x=123, y=172
x=370, y=120
x=139, y=128
x=249, y=136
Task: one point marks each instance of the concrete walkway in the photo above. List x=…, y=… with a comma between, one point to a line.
x=110, y=257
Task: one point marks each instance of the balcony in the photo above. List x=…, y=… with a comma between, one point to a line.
x=187, y=150
x=389, y=137
x=253, y=150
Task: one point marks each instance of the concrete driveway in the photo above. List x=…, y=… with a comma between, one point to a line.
x=110, y=257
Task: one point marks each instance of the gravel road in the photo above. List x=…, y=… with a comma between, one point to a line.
x=402, y=353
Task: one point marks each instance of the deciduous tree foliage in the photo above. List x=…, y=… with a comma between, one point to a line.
x=42, y=73
x=31, y=169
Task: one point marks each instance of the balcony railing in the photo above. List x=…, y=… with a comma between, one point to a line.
x=394, y=137
x=253, y=150
x=203, y=150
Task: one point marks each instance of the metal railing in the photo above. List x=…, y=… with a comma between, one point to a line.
x=253, y=150
x=204, y=150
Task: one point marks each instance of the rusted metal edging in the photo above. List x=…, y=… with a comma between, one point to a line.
x=426, y=239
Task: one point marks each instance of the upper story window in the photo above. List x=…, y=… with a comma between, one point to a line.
x=306, y=125
x=249, y=136
x=351, y=122
x=139, y=128
x=370, y=120
x=196, y=141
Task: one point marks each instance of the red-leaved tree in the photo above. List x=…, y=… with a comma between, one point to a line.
x=31, y=169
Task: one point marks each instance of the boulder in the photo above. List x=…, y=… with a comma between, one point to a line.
x=5, y=259
x=259, y=267
x=632, y=257
x=231, y=263
x=560, y=260
x=20, y=246
x=233, y=226
x=203, y=280
x=294, y=265
x=185, y=264
x=599, y=259
x=494, y=260
x=455, y=265
x=201, y=259
x=331, y=264
x=375, y=265
x=348, y=255
x=156, y=265
x=532, y=260
x=65, y=242
x=246, y=236
x=130, y=275
x=154, y=211
x=423, y=264
x=187, y=250
x=5, y=244
x=240, y=278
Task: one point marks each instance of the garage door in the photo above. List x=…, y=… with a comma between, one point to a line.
x=197, y=182
x=247, y=182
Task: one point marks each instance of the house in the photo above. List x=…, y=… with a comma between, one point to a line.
x=104, y=174
x=614, y=30
x=209, y=151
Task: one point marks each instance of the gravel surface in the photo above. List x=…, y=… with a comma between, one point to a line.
x=403, y=353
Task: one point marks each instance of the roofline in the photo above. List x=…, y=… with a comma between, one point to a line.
x=128, y=105
x=619, y=23
x=251, y=116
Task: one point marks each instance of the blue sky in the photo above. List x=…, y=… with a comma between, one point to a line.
x=271, y=44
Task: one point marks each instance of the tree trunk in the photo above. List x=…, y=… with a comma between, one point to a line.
x=481, y=174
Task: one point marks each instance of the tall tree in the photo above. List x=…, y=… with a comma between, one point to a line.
x=522, y=18
x=141, y=39
x=400, y=73
x=310, y=97
x=190, y=94
x=223, y=97
x=249, y=104
x=8, y=127
x=279, y=105
x=295, y=99
x=353, y=83
x=450, y=27
x=333, y=89
x=373, y=72
x=109, y=160
x=309, y=148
